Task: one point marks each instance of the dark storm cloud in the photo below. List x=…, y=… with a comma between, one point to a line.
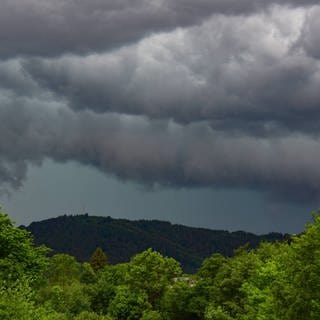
x=49, y=28
x=251, y=74
x=310, y=35
x=230, y=102
x=154, y=152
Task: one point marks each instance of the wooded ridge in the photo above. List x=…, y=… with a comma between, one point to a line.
x=80, y=235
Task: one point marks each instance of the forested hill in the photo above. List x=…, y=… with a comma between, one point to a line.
x=80, y=235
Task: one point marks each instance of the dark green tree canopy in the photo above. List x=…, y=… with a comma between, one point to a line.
x=98, y=259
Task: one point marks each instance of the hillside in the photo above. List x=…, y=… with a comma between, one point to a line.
x=79, y=236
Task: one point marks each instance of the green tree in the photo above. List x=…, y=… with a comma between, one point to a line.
x=286, y=281
x=266, y=279
x=63, y=269
x=70, y=299
x=304, y=273
x=98, y=259
x=17, y=302
x=128, y=304
x=296, y=290
x=183, y=301
x=210, y=267
x=18, y=255
x=225, y=293
x=151, y=272
x=88, y=275
x=104, y=289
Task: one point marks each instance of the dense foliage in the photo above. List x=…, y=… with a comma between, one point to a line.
x=80, y=235
x=276, y=281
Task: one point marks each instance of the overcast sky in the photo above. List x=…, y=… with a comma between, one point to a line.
x=203, y=112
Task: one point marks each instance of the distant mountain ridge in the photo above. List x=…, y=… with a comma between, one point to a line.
x=80, y=235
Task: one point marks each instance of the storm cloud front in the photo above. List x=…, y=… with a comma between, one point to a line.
x=219, y=94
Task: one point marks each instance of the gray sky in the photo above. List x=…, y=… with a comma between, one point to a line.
x=56, y=189
x=201, y=113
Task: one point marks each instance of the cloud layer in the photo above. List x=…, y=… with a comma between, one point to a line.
x=218, y=93
x=49, y=28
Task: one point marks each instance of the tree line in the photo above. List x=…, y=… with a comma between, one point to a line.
x=276, y=281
